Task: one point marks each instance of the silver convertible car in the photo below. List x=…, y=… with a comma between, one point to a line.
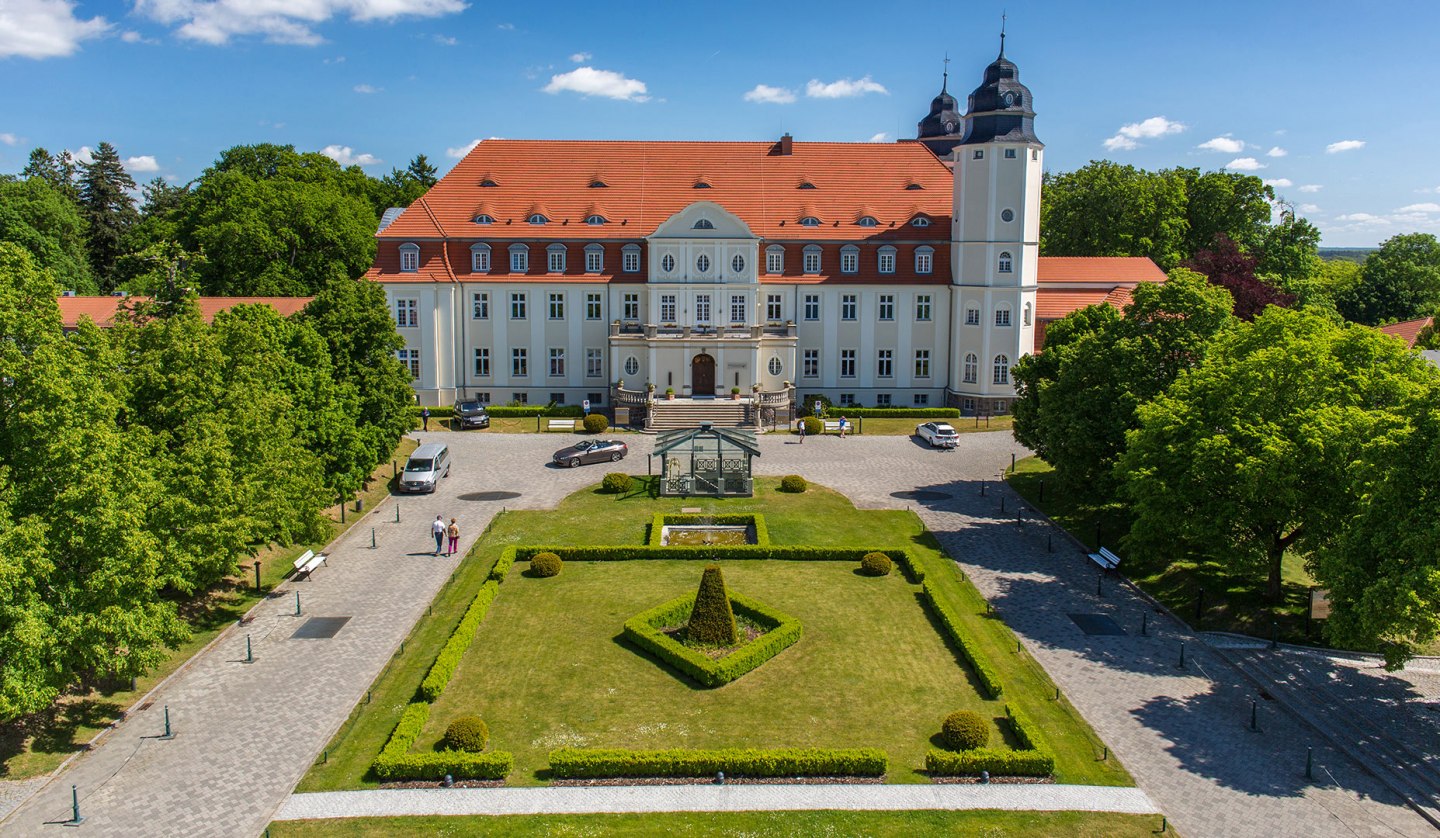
x=592, y=451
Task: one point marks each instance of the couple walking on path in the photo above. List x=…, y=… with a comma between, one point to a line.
x=441, y=532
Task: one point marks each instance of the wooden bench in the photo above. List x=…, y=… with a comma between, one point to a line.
x=1106, y=559
x=308, y=562
x=567, y=425
x=832, y=426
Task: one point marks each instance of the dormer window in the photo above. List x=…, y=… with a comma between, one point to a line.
x=595, y=220
x=911, y=187
x=409, y=258
x=920, y=221
x=482, y=218
x=809, y=221
x=597, y=183
x=703, y=224
x=805, y=184
x=700, y=184
x=866, y=221
x=480, y=258
x=487, y=182
x=537, y=218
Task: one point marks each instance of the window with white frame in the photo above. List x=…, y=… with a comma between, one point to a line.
x=1004, y=263
x=480, y=258
x=812, y=306
x=410, y=358
x=887, y=307
x=519, y=363
x=595, y=220
x=594, y=363
x=556, y=310
x=555, y=259
x=922, y=307
x=630, y=307
x=592, y=306
x=737, y=308
x=847, y=363
x=809, y=221
x=810, y=363
x=538, y=218
x=409, y=258
x=972, y=368
x=702, y=264
x=703, y=224
x=480, y=305
x=518, y=304
x=849, y=259
x=667, y=308
x=702, y=308
x=1002, y=369
x=921, y=400
x=866, y=221
x=630, y=258
x=1026, y=321
x=667, y=263
x=775, y=366
x=972, y=315
x=968, y=406
x=557, y=362
x=482, y=397
x=482, y=218
x=847, y=400
x=482, y=362
x=885, y=363
x=922, y=363
x=632, y=365
x=812, y=259
x=887, y=260
x=594, y=258
x=1002, y=315
x=924, y=260
x=775, y=259
x=919, y=221
x=774, y=310
x=519, y=258
x=978, y=155
x=882, y=400
x=407, y=312
x=849, y=306
x=737, y=265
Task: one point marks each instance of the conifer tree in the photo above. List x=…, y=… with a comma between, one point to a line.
x=711, y=620
x=105, y=196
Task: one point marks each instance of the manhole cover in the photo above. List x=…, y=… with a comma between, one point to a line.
x=490, y=496
x=320, y=628
x=1097, y=624
x=921, y=494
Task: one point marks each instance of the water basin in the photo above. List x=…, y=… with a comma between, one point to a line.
x=681, y=535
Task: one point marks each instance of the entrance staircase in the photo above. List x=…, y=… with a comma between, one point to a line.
x=670, y=415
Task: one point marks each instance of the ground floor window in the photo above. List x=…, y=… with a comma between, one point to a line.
x=882, y=399
x=968, y=406
x=812, y=363
x=557, y=398
x=922, y=400
x=411, y=359
x=1001, y=407
x=847, y=399
x=595, y=399
x=520, y=398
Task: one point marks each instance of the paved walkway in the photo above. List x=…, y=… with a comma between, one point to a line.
x=712, y=798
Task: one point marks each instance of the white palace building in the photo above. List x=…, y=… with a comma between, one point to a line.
x=901, y=274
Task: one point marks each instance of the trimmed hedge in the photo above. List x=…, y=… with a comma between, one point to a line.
x=778, y=552
x=663, y=519
x=595, y=423
x=736, y=762
x=876, y=564
x=643, y=630
x=965, y=730
x=454, y=650
x=1026, y=730
x=565, y=411
x=466, y=733
x=894, y=412
x=396, y=763
x=545, y=565
x=793, y=483
x=616, y=483
x=998, y=762
x=813, y=426
x=961, y=635
x=502, y=565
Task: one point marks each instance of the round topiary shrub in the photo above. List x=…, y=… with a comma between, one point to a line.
x=813, y=426
x=965, y=730
x=467, y=733
x=876, y=564
x=545, y=564
x=793, y=483
x=616, y=483
x=595, y=424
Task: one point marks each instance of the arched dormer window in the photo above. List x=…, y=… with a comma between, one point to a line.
x=1002, y=369
x=866, y=221
x=700, y=184
x=537, y=218
x=597, y=183
x=849, y=259
x=924, y=259
x=595, y=220
x=703, y=224
x=594, y=258
x=488, y=183
x=912, y=186
x=480, y=258
x=919, y=221
x=409, y=258
x=812, y=259
x=555, y=259
x=1004, y=263
x=805, y=184
x=809, y=221
x=886, y=260
x=775, y=259
x=482, y=218
x=630, y=258
x=519, y=258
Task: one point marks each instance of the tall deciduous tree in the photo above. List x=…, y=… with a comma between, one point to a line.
x=105, y=189
x=1224, y=265
x=1400, y=281
x=42, y=220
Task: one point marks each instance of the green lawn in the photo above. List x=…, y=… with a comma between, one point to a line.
x=987, y=824
x=546, y=668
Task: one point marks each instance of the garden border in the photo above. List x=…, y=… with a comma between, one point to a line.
x=643, y=630
x=591, y=763
x=664, y=519
x=1033, y=760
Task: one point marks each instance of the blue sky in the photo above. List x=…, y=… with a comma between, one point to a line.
x=1337, y=103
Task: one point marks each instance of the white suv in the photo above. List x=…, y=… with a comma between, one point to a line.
x=938, y=434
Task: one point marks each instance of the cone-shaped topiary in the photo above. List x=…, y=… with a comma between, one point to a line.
x=711, y=620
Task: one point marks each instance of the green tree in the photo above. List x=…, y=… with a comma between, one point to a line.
x=1290, y=253
x=1247, y=455
x=105, y=189
x=58, y=170
x=1106, y=209
x=401, y=188
x=1033, y=373
x=712, y=622
x=42, y=220
x=1400, y=281
x=1227, y=204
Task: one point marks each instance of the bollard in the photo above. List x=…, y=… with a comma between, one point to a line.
x=367, y=696
x=1002, y=503
x=1144, y=624
x=1182, y=655
x=982, y=488
x=75, y=819
x=392, y=469
x=397, y=513
x=1057, y=693
x=372, y=538
x=1017, y=647
x=1274, y=635
x=719, y=778
x=1105, y=757
x=257, y=577
x=1164, y=824
x=297, y=603
x=1099, y=578
x=168, y=733
x=1309, y=763
x=1012, y=462
x=984, y=776
x=325, y=756
x=1254, y=720
x=449, y=781
x=249, y=653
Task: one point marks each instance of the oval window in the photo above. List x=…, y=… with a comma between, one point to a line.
x=668, y=263
x=775, y=367
x=702, y=264
x=632, y=365
x=1007, y=215
x=738, y=264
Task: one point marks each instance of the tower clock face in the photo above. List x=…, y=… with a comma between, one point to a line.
x=1009, y=99
x=949, y=127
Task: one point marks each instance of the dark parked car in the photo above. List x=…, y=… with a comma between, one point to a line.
x=471, y=414
x=592, y=451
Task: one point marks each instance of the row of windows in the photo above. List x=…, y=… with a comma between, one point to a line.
x=595, y=399
x=811, y=261
x=540, y=219
x=1002, y=315
x=979, y=154
x=882, y=400
x=520, y=362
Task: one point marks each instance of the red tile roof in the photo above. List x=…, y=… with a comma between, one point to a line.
x=1101, y=270
x=1408, y=330
x=102, y=310
x=1055, y=303
x=648, y=182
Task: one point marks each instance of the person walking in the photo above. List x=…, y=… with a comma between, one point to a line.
x=437, y=529
x=802, y=431
x=425, y=418
x=454, y=532
x=843, y=426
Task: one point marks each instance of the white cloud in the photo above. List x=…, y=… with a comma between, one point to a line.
x=505, y=27
x=1276, y=151
x=1426, y=207
x=773, y=95
x=588, y=81
x=9, y=139
x=844, y=88
x=1344, y=145
x=346, y=156
x=581, y=57
x=1280, y=182
x=143, y=163
x=339, y=59
x=1245, y=164
x=1226, y=144
x=1309, y=208
x=45, y=28
x=84, y=155
x=366, y=88
x=445, y=40
x=881, y=137
x=1360, y=217
x=280, y=21
x=1128, y=136
x=460, y=151
x=1311, y=188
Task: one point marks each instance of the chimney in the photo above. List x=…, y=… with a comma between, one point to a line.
x=786, y=144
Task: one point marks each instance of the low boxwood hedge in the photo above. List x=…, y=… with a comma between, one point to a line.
x=454, y=649
x=643, y=630
x=664, y=519
x=961, y=635
x=735, y=762
x=775, y=552
x=1000, y=763
x=893, y=412
x=561, y=411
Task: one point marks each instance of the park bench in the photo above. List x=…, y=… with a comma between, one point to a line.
x=560, y=425
x=1106, y=559
x=832, y=426
x=308, y=562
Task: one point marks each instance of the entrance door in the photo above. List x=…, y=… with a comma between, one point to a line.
x=702, y=375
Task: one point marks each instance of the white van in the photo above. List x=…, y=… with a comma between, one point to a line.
x=426, y=466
